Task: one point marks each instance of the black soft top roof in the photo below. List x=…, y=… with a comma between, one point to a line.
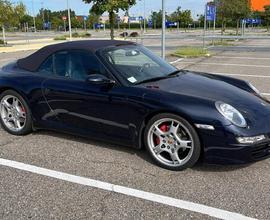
x=32, y=62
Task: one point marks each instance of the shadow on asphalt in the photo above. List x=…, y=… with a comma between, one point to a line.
x=142, y=153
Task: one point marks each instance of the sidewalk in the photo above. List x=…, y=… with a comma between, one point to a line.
x=26, y=46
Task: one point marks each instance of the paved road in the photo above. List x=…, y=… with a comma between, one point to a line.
x=240, y=189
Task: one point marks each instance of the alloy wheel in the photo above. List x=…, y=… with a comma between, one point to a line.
x=170, y=142
x=13, y=113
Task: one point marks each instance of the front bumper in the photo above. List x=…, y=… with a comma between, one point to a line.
x=220, y=147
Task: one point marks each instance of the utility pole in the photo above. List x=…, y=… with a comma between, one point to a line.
x=144, y=18
x=69, y=21
x=34, y=19
x=205, y=23
x=43, y=17
x=163, y=30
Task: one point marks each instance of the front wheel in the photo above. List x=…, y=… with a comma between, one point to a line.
x=15, y=116
x=172, y=142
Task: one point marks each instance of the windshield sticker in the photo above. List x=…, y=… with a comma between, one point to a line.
x=132, y=79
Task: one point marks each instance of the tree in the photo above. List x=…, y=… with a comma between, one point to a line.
x=110, y=6
x=93, y=19
x=232, y=10
x=10, y=15
x=184, y=17
x=156, y=17
x=266, y=16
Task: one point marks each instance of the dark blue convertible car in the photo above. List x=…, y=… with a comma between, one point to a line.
x=119, y=91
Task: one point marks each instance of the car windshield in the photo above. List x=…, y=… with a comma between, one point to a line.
x=136, y=64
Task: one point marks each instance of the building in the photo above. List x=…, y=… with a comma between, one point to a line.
x=258, y=5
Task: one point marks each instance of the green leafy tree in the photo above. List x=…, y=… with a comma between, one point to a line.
x=112, y=7
x=156, y=17
x=201, y=20
x=232, y=11
x=266, y=16
x=183, y=17
x=93, y=19
x=10, y=15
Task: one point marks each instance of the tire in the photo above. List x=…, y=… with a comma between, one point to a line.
x=17, y=111
x=172, y=142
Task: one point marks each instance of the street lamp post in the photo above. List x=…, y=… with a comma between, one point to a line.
x=144, y=17
x=163, y=30
x=69, y=21
x=34, y=19
x=205, y=24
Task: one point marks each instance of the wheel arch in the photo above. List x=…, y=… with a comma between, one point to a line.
x=6, y=88
x=178, y=113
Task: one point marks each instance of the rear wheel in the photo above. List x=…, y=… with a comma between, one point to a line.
x=172, y=142
x=15, y=114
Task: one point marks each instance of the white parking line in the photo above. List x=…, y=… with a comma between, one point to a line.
x=194, y=207
x=244, y=75
x=244, y=58
x=176, y=61
x=226, y=64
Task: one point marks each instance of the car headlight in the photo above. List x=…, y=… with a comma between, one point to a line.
x=232, y=114
x=254, y=88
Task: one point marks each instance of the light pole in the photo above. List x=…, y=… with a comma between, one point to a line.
x=69, y=21
x=34, y=19
x=163, y=30
x=144, y=19
x=205, y=23
x=43, y=17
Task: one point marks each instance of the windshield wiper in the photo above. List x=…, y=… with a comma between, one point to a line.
x=174, y=73
x=158, y=78
x=152, y=79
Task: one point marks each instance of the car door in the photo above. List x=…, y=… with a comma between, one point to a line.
x=72, y=100
x=85, y=108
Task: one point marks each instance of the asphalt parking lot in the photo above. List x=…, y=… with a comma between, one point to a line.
x=238, y=189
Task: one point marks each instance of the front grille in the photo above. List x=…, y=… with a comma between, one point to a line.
x=261, y=151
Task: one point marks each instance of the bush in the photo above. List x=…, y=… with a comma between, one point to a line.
x=60, y=38
x=85, y=35
x=134, y=34
x=191, y=52
x=75, y=35
x=124, y=34
x=2, y=42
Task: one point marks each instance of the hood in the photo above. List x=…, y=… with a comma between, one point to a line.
x=214, y=88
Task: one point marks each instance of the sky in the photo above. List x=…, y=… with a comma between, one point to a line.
x=196, y=6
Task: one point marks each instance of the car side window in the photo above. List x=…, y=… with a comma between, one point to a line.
x=60, y=64
x=82, y=64
x=47, y=66
x=73, y=64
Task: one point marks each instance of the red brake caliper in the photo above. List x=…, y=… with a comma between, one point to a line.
x=163, y=128
x=23, y=109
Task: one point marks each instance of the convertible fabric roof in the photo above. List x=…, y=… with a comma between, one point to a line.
x=32, y=62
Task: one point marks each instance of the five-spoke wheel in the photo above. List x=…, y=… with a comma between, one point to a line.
x=172, y=142
x=14, y=113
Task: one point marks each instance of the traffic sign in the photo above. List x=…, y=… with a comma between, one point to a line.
x=211, y=11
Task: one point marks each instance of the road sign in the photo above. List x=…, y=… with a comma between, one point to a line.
x=64, y=18
x=98, y=26
x=150, y=23
x=170, y=24
x=252, y=21
x=211, y=12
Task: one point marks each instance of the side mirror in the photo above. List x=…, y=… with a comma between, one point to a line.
x=99, y=79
